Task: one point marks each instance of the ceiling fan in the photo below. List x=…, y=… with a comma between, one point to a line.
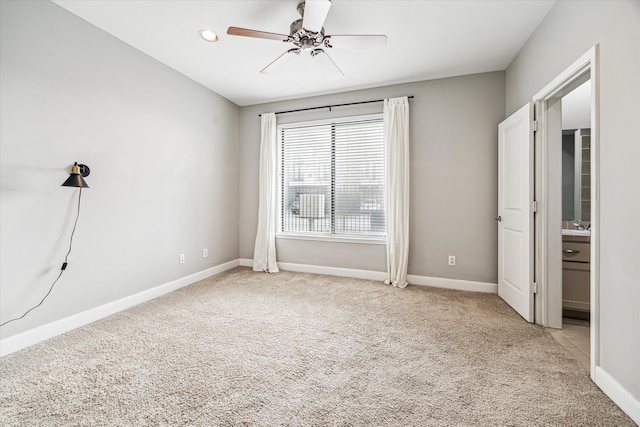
x=307, y=35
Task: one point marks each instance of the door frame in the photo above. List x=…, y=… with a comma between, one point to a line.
x=548, y=237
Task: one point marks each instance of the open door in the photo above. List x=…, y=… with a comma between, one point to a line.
x=515, y=212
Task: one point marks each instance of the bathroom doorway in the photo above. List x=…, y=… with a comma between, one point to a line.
x=564, y=223
x=576, y=223
x=576, y=202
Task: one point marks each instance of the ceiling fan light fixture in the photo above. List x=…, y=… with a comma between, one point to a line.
x=208, y=35
x=307, y=35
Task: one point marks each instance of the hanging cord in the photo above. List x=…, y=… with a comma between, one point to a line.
x=62, y=269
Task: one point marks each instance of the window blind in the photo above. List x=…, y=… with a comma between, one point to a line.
x=332, y=177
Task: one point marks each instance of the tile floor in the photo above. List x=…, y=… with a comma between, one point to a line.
x=574, y=336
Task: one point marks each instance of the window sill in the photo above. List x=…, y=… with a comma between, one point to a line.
x=333, y=239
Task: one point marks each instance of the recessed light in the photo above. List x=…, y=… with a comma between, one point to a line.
x=208, y=35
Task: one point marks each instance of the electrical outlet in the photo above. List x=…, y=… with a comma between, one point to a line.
x=205, y=253
x=452, y=260
x=181, y=258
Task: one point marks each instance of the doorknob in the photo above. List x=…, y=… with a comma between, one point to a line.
x=498, y=218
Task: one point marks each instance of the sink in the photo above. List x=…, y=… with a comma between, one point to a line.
x=570, y=232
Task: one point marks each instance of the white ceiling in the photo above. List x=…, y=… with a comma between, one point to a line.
x=426, y=40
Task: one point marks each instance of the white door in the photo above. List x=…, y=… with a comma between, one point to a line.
x=515, y=211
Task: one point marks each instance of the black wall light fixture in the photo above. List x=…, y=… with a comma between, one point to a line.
x=76, y=179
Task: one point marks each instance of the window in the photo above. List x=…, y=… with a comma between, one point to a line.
x=332, y=178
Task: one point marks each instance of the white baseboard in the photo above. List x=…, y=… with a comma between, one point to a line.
x=437, y=282
x=50, y=330
x=457, y=284
x=616, y=392
x=333, y=271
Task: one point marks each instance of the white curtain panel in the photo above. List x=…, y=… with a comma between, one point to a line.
x=264, y=254
x=396, y=133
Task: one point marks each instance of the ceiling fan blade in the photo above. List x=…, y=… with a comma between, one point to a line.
x=279, y=62
x=356, y=42
x=315, y=13
x=235, y=31
x=327, y=63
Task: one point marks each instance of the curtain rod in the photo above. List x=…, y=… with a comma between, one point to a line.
x=330, y=106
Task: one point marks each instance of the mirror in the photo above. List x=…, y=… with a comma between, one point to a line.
x=576, y=175
x=576, y=154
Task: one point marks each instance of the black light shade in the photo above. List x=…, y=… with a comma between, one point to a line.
x=76, y=178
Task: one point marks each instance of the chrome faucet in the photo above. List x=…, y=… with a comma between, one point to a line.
x=578, y=226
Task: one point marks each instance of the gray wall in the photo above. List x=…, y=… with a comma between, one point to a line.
x=453, y=132
x=163, y=156
x=568, y=31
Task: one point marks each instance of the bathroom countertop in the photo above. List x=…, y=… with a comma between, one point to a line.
x=575, y=232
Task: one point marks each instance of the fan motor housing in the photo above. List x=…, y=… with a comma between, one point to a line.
x=305, y=39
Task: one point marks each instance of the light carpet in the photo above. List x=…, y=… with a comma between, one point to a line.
x=245, y=348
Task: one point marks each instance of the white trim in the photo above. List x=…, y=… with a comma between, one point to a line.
x=246, y=262
x=581, y=65
x=34, y=336
x=437, y=282
x=334, y=271
x=620, y=396
x=595, y=210
x=548, y=237
x=333, y=238
x=456, y=284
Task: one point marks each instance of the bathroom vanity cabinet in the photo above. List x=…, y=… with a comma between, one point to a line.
x=576, y=288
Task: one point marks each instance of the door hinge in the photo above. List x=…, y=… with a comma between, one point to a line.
x=534, y=287
x=535, y=206
x=535, y=126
